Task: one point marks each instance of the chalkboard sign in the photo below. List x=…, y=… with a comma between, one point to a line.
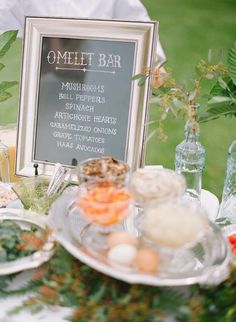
x=78, y=99
x=84, y=99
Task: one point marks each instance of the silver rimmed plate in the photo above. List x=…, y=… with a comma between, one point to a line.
x=26, y=219
x=211, y=271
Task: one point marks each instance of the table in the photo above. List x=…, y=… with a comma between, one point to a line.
x=59, y=314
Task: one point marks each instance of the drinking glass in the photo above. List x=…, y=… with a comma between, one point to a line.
x=104, y=205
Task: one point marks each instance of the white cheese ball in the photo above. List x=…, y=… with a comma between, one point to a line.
x=122, y=254
x=174, y=224
x=158, y=184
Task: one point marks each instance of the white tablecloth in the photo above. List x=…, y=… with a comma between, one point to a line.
x=52, y=314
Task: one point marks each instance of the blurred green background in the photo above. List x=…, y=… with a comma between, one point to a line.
x=188, y=28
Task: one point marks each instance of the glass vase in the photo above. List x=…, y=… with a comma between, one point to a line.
x=190, y=157
x=228, y=204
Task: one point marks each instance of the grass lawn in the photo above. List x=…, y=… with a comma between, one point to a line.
x=9, y=108
x=188, y=28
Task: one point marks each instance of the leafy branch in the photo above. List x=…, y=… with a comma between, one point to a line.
x=222, y=100
x=176, y=99
x=6, y=40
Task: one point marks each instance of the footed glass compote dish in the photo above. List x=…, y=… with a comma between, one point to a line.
x=103, y=205
x=183, y=237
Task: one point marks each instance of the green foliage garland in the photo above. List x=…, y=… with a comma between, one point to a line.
x=96, y=298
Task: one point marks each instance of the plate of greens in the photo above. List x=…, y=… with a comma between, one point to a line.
x=25, y=240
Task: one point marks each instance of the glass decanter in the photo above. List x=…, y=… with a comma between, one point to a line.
x=228, y=204
x=190, y=157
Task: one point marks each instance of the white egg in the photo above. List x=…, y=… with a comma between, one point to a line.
x=123, y=254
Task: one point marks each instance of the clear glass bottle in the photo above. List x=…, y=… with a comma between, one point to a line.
x=190, y=157
x=4, y=163
x=228, y=204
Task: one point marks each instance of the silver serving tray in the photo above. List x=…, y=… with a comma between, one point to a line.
x=64, y=231
x=26, y=219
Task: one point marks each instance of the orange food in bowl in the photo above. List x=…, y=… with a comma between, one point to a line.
x=105, y=205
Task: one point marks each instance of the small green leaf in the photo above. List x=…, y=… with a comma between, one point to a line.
x=138, y=76
x=16, y=310
x=1, y=66
x=69, y=299
x=223, y=84
x=6, y=85
x=207, y=117
x=223, y=221
x=4, y=96
x=220, y=99
x=142, y=80
x=156, y=91
x=232, y=63
x=222, y=109
x=35, y=308
x=6, y=40
x=217, y=111
x=125, y=299
x=97, y=297
x=101, y=314
x=217, y=90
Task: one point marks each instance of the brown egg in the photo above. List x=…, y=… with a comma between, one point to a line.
x=147, y=260
x=121, y=237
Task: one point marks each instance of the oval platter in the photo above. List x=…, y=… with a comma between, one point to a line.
x=60, y=222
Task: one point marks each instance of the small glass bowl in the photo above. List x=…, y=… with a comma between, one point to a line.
x=104, y=205
x=153, y=185
x=174, y=223
x=104, y=169
x=183, y=237
x=156, y=185
x=33, y=193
